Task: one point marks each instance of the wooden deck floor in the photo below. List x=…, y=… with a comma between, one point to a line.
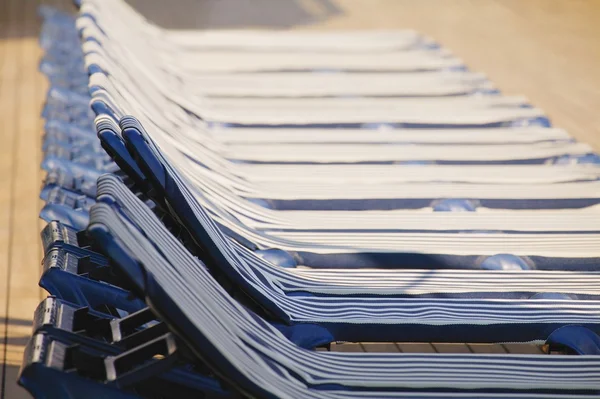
x=545, y=49
x=21, y=94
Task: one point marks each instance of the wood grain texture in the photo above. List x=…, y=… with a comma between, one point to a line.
x=22, y=91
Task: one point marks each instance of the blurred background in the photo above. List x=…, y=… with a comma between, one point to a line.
x=547, y=50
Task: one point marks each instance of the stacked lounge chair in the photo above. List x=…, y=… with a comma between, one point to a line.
x=273, y=194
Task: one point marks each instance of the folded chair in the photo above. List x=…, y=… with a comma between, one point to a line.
x=370, y=176
x=451, y=111
x=73, y=345
x=429, y=155
x=113, y=191
x=344, y=221
x=583, y=148
x=258, y=359
x=407, y=60
x=558, y=153
x=389, y=80
x=329, y=191
x=255, y=276
x=76, y=351
x=108, y=363
x=302, y=84
x=95, y=48
x=458, y=245
x=197, y=143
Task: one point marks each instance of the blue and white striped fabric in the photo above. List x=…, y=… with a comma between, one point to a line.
x=243, y=347
x=430, y=319
x=567, y=190
x=450, y=249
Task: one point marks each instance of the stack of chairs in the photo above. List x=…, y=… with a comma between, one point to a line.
x=276, y=193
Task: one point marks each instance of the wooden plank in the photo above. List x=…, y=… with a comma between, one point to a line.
x=523, y=349
x=436, y=347
x=380, y=347
x=9, y=71
x=414, y=347
x=346, y=347
x=487, y=348
x=25, y=255
x=24, y=248
x=444, y=347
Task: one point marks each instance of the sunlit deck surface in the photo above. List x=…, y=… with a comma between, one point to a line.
x=546, y=50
